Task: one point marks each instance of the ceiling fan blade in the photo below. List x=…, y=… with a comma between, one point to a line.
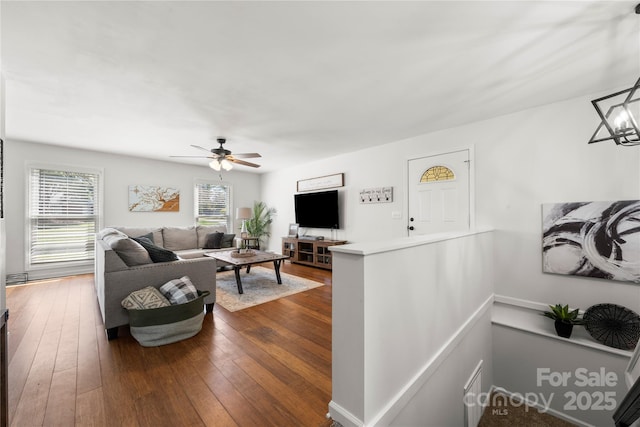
x=198, y=157
x=201, y=148
x=245, y=155
x=242, y=162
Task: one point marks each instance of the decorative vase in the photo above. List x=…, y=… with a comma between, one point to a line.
x=563, y=329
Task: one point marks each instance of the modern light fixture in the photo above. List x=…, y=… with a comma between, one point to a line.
x=619, y=113
x=244, y=214
x=620, y=121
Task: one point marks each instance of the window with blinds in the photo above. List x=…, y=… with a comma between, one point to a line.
x=213, y=204
x=64, y=216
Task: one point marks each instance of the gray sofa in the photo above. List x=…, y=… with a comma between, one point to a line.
x=115, y=279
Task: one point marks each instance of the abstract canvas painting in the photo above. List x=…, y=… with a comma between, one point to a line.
x=149, y=198
x=592, y=239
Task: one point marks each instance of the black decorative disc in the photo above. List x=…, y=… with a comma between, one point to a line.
x=613, y=325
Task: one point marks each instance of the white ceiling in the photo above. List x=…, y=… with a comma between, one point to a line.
x=296, y=81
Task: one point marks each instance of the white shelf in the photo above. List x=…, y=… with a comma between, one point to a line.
x=523, y=316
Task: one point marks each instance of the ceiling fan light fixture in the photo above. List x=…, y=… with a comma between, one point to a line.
x=226, y=165
x=223, y=159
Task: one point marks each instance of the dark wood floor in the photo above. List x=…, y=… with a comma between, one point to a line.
x=268, y=365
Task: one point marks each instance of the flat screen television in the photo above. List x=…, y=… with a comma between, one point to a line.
x=317, y=210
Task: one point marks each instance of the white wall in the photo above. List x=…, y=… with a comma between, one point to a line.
x=3, y=249
x=397, y=307
x=518, y=355
x=522, y=160
x=439, y=402
x=119, y=173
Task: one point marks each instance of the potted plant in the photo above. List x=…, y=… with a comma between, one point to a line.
x=564, y=319
x=261, y=219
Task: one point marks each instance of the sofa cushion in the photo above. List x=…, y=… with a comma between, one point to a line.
x=204, y=230
x=109, y=232
x=112, y=238
x=148, y=236
x=156, y=253
x=179, y=291
x=141, y=231
x=227, y=241
x=179, y=238
x=148, y=297
x=192, y=253
x=213, y=241
x=131, y=252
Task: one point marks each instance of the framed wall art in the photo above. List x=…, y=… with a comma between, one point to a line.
x=321, y=182
x=592, y=239
x=150, y=198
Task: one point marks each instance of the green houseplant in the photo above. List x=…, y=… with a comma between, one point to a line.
x=261, y=219
x=564, y=319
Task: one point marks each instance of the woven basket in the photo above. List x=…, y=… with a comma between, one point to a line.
x=165, y=325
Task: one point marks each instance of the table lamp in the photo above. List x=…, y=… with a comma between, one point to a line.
x=244, y=214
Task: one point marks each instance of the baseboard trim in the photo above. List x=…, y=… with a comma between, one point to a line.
x=53, y=274
x=523, y=303
x=537, y=406
x=393, y=408
x=343, y=417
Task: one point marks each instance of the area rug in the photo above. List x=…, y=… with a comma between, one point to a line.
x=259, y=286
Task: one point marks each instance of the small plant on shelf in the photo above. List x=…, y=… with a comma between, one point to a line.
x=564, y=319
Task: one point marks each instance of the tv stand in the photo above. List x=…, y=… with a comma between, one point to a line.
x=315, y=253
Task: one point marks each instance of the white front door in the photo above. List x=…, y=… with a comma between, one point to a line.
x=439, y=193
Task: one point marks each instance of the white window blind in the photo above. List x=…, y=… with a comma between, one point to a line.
x=63, y=216
x=213, y=204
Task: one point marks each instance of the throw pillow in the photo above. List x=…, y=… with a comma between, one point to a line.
x=147, y=236
x=213, y=241
x=227, y=241
x=204, y=230
x=156, y=253
x=139, y=231
x=148, y=297
x=109, y=232
x=131, y=252
x=179, y=291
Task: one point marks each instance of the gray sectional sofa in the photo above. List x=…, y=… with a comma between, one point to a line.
x=119, y=272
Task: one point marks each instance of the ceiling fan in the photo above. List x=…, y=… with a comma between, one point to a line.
x=223, y=159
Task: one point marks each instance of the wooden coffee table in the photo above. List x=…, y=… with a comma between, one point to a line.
x=257, y=258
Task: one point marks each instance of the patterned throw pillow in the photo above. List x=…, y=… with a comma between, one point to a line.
x=148, y=297
x=179, y=291
x=156, y=253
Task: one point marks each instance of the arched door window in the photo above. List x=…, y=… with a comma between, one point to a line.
x=437, y=173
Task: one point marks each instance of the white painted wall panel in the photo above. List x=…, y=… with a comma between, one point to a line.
x=404, y=303
x=518, y=355
x=440, y=401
